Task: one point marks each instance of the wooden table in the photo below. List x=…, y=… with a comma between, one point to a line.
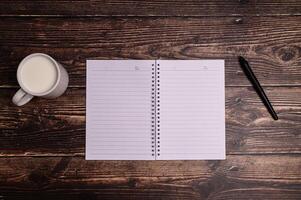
x=42, y=144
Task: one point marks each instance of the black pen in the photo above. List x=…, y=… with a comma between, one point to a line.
x=251, y=76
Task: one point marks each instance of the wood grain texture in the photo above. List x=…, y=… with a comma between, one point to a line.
x=42, y=144
x=57, y=127
x=150, y=8
x=237, y=177
x=272, y=45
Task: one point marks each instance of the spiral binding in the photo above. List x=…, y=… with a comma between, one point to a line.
x=157, y=106
x=153, y=95
x=155, y=133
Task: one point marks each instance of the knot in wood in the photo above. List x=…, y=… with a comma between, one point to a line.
x=287, y=54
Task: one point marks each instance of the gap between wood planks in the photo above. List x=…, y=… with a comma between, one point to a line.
x=82, y=155
x=143, y=16
x=227, y=86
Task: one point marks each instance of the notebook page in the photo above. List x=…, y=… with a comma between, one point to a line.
x=192, y=109
x=118, y=119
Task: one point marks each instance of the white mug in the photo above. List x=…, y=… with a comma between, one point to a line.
x=40, y=75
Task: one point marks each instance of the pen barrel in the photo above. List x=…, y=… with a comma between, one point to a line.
x=259, y=90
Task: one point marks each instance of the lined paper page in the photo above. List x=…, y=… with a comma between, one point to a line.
x=118, y=120
x=192, y=109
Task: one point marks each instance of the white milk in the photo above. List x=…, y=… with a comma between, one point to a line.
x=38, y=74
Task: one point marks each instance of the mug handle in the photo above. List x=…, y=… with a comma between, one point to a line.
x=21, y=97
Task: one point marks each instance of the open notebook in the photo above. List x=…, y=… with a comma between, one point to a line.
x=155, y=110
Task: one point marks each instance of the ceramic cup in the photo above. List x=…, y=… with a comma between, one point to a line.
x=40, y=75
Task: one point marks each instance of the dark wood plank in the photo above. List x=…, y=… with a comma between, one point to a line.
x=237, y=177
x=57, y=127
x=272, y=45
x=150, y=8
